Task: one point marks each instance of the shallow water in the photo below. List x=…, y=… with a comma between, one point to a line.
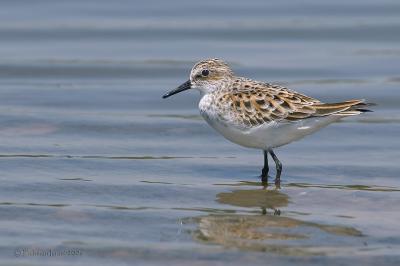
x=92, y=159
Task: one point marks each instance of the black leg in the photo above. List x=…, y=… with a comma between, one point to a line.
x=278, y=166
x=265, y=170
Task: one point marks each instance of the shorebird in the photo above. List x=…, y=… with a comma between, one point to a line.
x=257, y=114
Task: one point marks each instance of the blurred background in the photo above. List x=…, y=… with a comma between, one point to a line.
x=92, y=158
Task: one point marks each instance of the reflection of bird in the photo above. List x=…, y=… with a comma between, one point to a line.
x=253, y=232
x=257, y=114
x=257, y=232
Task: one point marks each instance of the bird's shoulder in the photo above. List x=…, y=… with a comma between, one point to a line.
x=245, y=86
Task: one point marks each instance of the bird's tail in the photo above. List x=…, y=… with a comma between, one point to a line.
x=347, y=108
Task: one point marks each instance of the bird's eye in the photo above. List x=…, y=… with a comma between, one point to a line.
x=205, y=72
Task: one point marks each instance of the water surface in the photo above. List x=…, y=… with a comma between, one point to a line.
x=93, y=159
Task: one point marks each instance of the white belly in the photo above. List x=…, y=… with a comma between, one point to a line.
x=269, y=135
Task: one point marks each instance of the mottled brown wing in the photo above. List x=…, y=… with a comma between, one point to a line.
x=259, y=105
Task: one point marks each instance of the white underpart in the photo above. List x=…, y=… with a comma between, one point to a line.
x=268, y=135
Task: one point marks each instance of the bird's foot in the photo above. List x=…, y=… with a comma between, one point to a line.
x=264, y=180
x=264, y=175
x=277, y=212
x=278, y=183
x=264, y=210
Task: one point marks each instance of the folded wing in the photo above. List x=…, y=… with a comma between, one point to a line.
x=257, y=105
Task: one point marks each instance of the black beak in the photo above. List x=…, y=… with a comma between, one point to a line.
x=183, y=87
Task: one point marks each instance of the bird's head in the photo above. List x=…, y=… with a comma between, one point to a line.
x=206, y=76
